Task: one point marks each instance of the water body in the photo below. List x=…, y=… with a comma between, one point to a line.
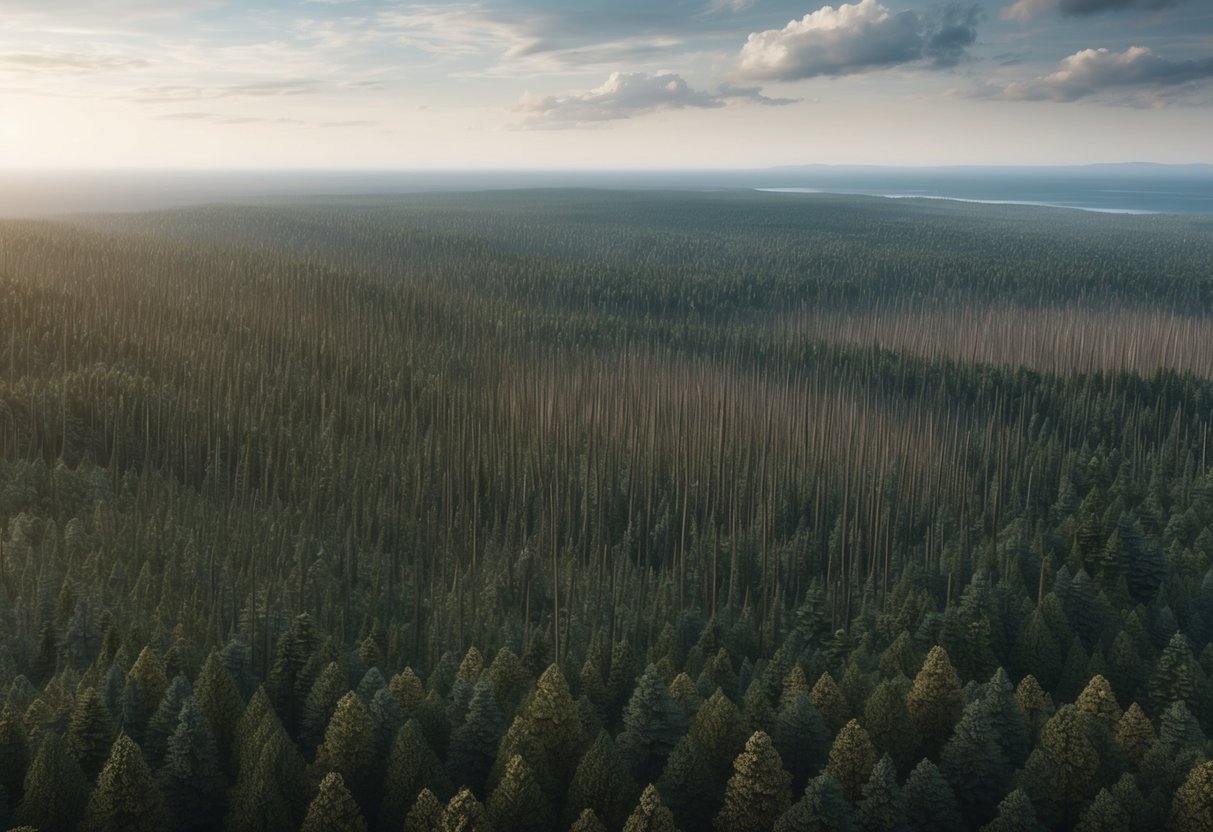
x=1129, y=189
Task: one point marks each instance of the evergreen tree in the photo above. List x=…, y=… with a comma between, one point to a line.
x=830, y=703
x=1015, y=814
x=412, y=768
x=220, y=702
x=602, y=783
x=150, y=680
x=650, y=815
x=1007, y=718
x=689, y=788
x=14, y=754
x=295, y=649
x=800, y=737
x=935, y=701
x=1061, y=774
x=192, y=779
x=552, y=716
x=653, y=724
x=126, y=798
x=333, y=809
x=888, y=722
x=759, y=790
x=1037, y=705
x=719, y=734
x=1104, y=814
x=587, y=821
x=1175, y=676
x=1192, y=810
x=518, y=804
x=425, y=815
x=464, y=813
x=90, y=732
x=1134, y=733
x=55, y=789
x=349, y=748
x=929, y=802
x=822, y=808
x=474, y=744
x=164, y=722
x=880, y=810
x=852, y=758
x=975, y=765
x=407, y=688
x=270, y=794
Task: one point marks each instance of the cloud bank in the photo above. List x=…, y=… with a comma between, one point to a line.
x=1027, y=9
x=1135, y=76
x=857, y=38
x=628, y=94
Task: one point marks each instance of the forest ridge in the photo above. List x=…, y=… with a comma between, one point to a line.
x=606, y=510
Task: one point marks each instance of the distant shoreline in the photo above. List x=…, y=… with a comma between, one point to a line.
x=1029, y=202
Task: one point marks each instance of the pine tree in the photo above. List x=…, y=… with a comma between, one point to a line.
x=602, y=783
x=800, y=737
x=1037, y=705
x=719, y=734
x=822, y=808
x=412, y=767
x=929, y=802
x=425, y=815
x=1061, y=773
x=474, y=744
x=90, y=732
x=688, y=786
x=852, y=758
x=888, y=722
x=1104, y=814
x=653, y=724
x=333, y=809
x=1134, y=733
x=1099, y=700
x=55, y=789
x=150, y=680
x=270, y=794
x=1192, y=810
x=126, y=798
x=880, y=809
x=192, y=779
x=830, y=703
x=975, y=765
x=650, y=815
x=220, y=702
x=552, y=716
x=407, y=688
x=935, y=701
x=295, y=649
x=164, y=722
x=464, y=813
x=14, y=754
x=1007, y=718
x=1015, y=814
x=518, y=804
x=587, y=821
x=1175, y=676
x=349, y=748
x=759, y=790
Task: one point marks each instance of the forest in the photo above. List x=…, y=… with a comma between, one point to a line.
x=602, y=510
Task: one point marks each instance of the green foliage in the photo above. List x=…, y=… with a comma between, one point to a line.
x=852, y=758
x=55, y=789
x=759, y=791
x=192, y=779
x=518, y=804
x=90, y=732
x=653, y=723
x=602, y=783
x=650, y=814
x=929, y=802
x=333, y=809
x=126, y=798
x=822, y=808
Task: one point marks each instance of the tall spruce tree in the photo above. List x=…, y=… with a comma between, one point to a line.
x=126, y=798
x=55, y=789
x=192, y=779
x=759, y=791
x=333, y=809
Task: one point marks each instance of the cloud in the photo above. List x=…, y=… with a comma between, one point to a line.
x=1136, y=76
x=627, y=94
x=66, y=62
x=1026, y=9
x=856, y=38
x=263, y=89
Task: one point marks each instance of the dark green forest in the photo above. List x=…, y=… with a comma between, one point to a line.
x=605, y=510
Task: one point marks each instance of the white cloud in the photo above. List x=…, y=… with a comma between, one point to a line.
x=856, y=38
x=627, y=94
x=1135, y=76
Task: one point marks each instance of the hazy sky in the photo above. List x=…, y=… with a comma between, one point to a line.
x=626, y=83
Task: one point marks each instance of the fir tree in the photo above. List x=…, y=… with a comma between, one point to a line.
x=295, y=648
x=318, y=707
x=349, y=748
x=719, y=734
x=822, y=808
x=975, y=765
x=270, y=794
x=800, y=737
x=55, y=789
x=1104, y=814
x=587, y=821
x=192, y=779
x=689, y=788
x=888, y=722
x=935, y=700
x=602, y=783
x=425, y=815
x=518, y=804
x=126, y=798
x=852, y=758
x=90, y=732
x=1061, y=773
x=464, y=813
x=407, y=688
x=650, y=815
x=929, y=802
x=474, y=744
x=830, y=703
x=14, y=754
x=1015, y=814
x=333, y=809
x=653, y=724
x=759, y=790
x=412, y=767
x=552, y=716
x=1192, y=810
x=220, y=702
x=164, y=722
x=1134, y=733
x=880, y=809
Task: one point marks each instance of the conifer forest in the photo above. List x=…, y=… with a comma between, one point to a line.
x=606, y=510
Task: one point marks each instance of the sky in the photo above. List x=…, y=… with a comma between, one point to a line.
x=628, y=84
